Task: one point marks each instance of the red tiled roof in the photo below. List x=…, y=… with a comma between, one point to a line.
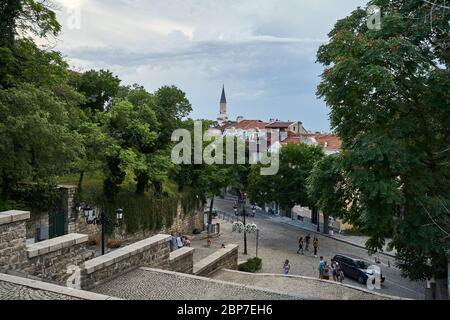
x=279, y=124
x=249, y=124
x=292, y=138
x=330, y=140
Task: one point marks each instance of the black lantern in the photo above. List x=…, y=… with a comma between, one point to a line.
x=89, y=214
x=119, y=215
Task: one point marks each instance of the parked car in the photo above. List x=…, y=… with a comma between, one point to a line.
x=355, y=268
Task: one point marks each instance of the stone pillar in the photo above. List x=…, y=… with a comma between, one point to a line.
x=67, y=205
x=13, y=239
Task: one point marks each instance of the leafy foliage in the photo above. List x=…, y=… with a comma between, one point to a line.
x=389, y=95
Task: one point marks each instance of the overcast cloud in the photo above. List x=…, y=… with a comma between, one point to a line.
x=262, y=50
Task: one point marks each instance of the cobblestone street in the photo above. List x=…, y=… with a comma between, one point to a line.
x=278, y=242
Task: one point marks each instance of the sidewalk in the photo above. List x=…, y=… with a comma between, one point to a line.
x=358, y=241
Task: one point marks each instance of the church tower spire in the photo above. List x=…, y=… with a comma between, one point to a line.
x=223, y=116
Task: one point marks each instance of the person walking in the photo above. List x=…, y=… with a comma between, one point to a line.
x=307, y=240
x=286, y=267
x=179, y=242
x=339, y=273
x=316, y=246
x=321, y=267
x=334, y=270
x=173, y=241
x=300, y=246
x=326, y=271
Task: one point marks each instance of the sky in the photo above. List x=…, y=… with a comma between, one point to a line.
x=263, y=51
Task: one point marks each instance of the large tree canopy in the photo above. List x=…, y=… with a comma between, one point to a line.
x=25, y=18
x=389, y=95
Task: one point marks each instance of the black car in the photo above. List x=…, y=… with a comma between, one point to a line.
x=354, y=268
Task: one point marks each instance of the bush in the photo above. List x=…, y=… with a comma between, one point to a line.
x=251, y=265
x=92, y=241
x=113, y=243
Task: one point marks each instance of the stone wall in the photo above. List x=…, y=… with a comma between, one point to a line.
x=183, y=224
x=13, y=239
x=49, y=259
x=223, y=258
x=182, y=260
x=150, y=252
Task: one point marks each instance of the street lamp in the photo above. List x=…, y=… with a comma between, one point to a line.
x=103, y=220
x=243, y=197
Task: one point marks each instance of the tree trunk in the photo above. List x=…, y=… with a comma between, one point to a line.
x=325, y=223
x=142, y=182
x=210, y=210
x=157, y=185
x=314, y=216
x=80, y=182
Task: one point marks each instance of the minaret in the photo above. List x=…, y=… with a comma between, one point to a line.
x=223, y=116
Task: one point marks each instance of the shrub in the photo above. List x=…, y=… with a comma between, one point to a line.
x=113, y=243
x=92, y=241
x=251, y=265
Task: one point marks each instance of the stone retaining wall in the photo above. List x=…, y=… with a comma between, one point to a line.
x=13, y=239
x=182, y=223
x=222, y=258
x=182, y=260
x=49, y=259
x=150, y=252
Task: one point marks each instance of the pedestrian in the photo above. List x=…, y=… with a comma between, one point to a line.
x=326, y=271
x=186, y=242
x=179, y=242
x=286, y=267
x=173, y=241
x=208, y=243
x=339, y=273
x=316, y=246
x=307, y=239
x=331, y=225
x=321, y=267
x=300, y=245
x=333, y=270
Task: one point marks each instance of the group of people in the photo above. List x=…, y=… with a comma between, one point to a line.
x=178, y=241
x=332, y=268
x=303, y=244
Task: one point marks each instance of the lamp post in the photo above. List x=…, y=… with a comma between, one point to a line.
x=243, y=197
x=103, y=220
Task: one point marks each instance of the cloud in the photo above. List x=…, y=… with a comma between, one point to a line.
x=263, y=50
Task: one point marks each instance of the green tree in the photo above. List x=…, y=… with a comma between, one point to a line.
x=171, y=106
x=288, y=187
x=326, y=188
x=98, y=87
x=389, y=95
x=23, y=17
x=296, y=162
x=36, y=143
x=134, y=128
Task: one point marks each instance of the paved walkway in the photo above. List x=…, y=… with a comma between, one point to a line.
x=278, y=241
x=154, y=284
x=309, y=288
x=358, y=241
